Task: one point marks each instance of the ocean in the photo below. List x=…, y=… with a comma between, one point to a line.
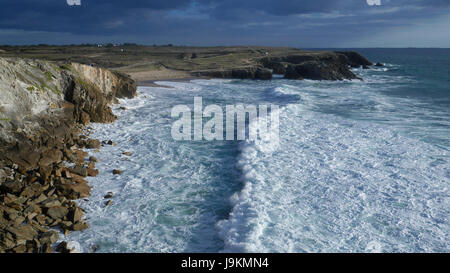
x=361, y=166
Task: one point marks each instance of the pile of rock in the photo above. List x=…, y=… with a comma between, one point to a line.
x=34, y=202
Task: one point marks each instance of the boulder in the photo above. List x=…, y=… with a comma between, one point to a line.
x=109, y=195
x=20, y=249
x=63, y=248
x=115, y=172
x=12, y=186
x=25, y=232
x=46, y=248
x=93, y=143
x=57, y=213
x=79, y=170
x=49, y=237
x=76, y=190
x=51, y=203
x=3, y=176
x=92, y=172
x=80, y=226
x=75, y=215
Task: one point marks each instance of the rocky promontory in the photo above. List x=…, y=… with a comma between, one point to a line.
x=324, y=65
x=44, y=110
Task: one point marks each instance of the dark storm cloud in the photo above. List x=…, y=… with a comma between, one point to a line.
x=219, y=20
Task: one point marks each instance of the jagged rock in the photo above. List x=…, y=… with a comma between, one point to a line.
x=115, y=172
x=45, y=171
x=93, y=159
x=63, y=248
x=46, y=248
x=20, y=249
x=28, y=192
x=92, y=172
x=109, y=142
x=251, y=72
x=78, y=179
x=12, y=186
x=79, y=170
x=76, y=190
x=50, y=157
x=51, y=203
x=25, y=232
x=41, y=198
x=354, y=59
x=108, y=203
x=93, y=248
x=2, y=176
x=58, y=172
x=49, y=237
x=93, y=143
x=67, y=174
x=315, y=70
x=127, y=153
x=109, y=195
x=57, y=213
x=75, y=215
x=379, y=64
x=91, y=165
x=80, y=226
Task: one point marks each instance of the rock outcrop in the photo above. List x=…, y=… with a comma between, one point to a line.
x=318, y=70
x=326, y=65
x=43, y=108
x=317, y=65
x=250, y=72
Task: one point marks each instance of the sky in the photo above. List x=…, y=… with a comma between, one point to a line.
x=298, y=23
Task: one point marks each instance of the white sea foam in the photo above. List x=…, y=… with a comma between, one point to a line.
x=339, y=186
x=352, y=173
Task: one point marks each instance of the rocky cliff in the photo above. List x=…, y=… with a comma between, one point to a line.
x=43, y=108
x=326, y=65
x=316, y=65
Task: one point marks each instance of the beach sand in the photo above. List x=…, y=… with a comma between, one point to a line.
x=150, y=77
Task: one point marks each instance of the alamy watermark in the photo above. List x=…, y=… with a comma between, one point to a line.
x=242, y=122
x=73, y=2
x=373, y=2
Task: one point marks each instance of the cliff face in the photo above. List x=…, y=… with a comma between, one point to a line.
x=32, y=91
x=43, y=107
x=249, y=72
x=323, y=65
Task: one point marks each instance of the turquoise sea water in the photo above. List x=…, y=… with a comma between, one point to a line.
x=362, y=166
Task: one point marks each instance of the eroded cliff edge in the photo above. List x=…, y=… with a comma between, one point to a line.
x=44, y=107
x=298, y=65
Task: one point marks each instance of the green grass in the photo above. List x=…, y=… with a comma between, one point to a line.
x=44, y=86
x=49, y=75
x=31, y=89
x=58, y=91
x=83, y=83
x=66, y=67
